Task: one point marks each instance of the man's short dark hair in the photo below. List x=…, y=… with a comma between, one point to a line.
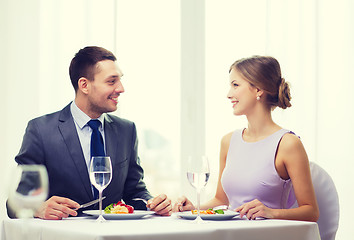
x=83, y=64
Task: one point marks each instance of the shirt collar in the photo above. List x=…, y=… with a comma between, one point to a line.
x=81, y=118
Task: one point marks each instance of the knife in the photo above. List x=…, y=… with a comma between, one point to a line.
x=90, y=203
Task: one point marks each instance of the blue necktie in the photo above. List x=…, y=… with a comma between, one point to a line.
x=97, y=147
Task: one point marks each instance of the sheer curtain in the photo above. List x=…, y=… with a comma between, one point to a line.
x=41, y=37
x=148, y=49
x=313, y=41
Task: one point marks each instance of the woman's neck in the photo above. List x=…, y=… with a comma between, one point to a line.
x=260, y=126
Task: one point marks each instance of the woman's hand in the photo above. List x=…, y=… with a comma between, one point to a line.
x=255, y=209
x=183, y=204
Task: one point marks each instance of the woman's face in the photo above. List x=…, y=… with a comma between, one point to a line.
x=242, y=94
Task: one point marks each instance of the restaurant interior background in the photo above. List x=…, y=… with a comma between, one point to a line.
x=175, y=55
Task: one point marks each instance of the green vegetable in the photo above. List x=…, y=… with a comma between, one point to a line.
x=108, y=208
x=219, y=211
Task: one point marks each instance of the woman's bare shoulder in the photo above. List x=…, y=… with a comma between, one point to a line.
x=226, y=139
x=290, y=142
x=292, y=150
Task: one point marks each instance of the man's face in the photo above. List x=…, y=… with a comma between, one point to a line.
x=104, y=90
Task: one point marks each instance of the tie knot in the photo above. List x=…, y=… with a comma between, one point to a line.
x=94, y=124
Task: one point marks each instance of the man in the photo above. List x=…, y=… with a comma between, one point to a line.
x=61, y=142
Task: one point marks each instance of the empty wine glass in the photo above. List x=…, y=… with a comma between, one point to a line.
x=29, y=189
x=100, y=177
x=198, y=175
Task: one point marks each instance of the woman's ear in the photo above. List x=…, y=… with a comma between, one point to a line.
x=83, y=84
x=259, y=92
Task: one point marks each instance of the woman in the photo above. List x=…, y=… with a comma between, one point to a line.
x=261, y=164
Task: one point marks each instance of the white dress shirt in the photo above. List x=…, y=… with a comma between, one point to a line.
x=84, y=131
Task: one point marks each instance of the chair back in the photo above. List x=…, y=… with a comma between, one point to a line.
x=328, y=202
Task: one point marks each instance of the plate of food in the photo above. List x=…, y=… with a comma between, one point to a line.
x=209, y=214
x=119, y=210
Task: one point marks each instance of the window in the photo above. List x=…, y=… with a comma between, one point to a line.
x=148, y=51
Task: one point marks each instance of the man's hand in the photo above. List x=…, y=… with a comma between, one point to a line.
x=161, y=205
x=56, y=208
x=183, y=204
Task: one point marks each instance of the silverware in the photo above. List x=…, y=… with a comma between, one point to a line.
x=221, y=207
x=90, y=203
x=141, y=199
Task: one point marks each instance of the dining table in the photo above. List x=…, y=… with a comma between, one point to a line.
x=157, y=227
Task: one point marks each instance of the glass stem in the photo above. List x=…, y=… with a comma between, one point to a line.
x=198, y=202
x=100, y=198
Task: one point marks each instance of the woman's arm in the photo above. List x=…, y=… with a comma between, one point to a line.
x=292, y=159
x=184, y=204
x=291, y=162
x=220, y=197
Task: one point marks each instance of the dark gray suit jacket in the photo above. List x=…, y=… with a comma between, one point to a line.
x=52, y=140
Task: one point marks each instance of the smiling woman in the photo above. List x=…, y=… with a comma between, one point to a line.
x=241, y=89
x=303, y=38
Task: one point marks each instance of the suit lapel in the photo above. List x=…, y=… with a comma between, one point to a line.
x=111, y=132
x=71, y=139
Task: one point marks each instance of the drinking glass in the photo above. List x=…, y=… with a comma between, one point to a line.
x=198, y=175
x=100, y=177
x=28, y=190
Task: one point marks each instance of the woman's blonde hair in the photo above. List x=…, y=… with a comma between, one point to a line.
x=264, y=73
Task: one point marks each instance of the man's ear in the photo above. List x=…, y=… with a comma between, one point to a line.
x=83, y=84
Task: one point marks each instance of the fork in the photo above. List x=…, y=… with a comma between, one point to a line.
x=141, y=199
x=221, y=207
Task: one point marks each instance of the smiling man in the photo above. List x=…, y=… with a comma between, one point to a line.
x=61, y=141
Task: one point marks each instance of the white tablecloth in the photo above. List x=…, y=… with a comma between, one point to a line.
x=156, y=228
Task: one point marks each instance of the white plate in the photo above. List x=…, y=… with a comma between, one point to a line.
x=112, y=216
x=226, y=216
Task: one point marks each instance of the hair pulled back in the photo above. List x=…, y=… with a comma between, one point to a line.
x=264, y=73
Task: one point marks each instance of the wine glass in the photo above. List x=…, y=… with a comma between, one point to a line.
x=198, y=175
x=29, y=189
x=100, y=177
